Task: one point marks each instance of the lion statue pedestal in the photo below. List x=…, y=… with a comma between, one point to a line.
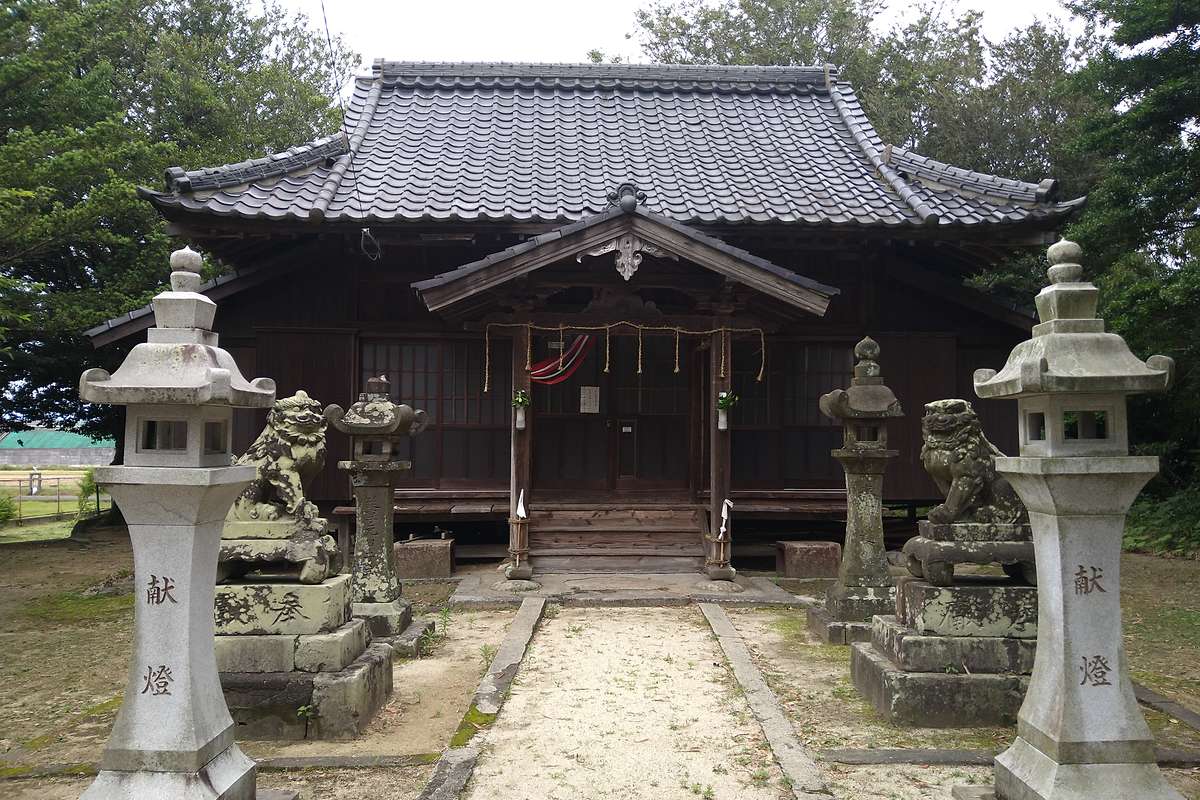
x=293, y=662
x=959, y=649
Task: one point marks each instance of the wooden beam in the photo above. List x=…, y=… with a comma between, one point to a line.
x=522, y=440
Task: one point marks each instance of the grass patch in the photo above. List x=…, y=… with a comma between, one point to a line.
x=72, y=607
x=41, y=532
x=472, y=723
x=107, y=707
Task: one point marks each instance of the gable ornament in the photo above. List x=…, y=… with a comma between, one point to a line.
x=629, y=248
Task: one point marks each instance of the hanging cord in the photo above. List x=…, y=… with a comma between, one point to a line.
x=487, y=359
x=528, y=348
x=724, y=332
x=639, y=330
x=367, y=242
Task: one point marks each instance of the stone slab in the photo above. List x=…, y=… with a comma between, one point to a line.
x=935, y=560
x=411, y=643
x=800, y=770
x=973, y=793
x=424, y=558
x=282, y=608
x=334, y=651
x=807, y=559
x=493, y=687
x=828, y=630
x=931, y=699
x=972, y=608
x=451, y=774
x=268, y=705
x=384, y=620
x=277, y=794
x=345, y=702
x=268, y=529
x=974, y=531
x=316, y=558
x=914, y=652
x=255, y=653
x=859, y=603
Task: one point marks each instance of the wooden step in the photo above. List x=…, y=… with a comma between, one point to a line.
x=639, y=539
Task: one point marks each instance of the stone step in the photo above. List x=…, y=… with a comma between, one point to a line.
x=934, y=699
x=910, y=651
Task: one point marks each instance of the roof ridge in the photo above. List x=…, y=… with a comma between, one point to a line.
x=454, y=73
x=859, y=131
x=179, y=180
x=325, y=196
x=980, y=182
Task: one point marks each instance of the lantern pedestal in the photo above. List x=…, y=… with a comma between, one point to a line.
x=174, y=736
x=1080, y=726
x=864, y=586
x=375, y=592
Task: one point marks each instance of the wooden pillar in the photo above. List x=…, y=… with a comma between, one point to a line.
x=522, y=462
x=717, y=556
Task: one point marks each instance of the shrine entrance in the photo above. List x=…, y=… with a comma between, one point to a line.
x=621, y=431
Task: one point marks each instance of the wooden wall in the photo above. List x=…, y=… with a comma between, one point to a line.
x=305, y=329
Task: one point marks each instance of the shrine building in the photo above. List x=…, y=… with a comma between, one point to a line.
x=617, y=244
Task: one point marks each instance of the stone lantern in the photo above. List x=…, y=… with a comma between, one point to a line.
x=174, y=736
x=1079, y=733
x=375, y=425
x=864, y=586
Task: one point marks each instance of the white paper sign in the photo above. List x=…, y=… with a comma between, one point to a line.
x=589, y=399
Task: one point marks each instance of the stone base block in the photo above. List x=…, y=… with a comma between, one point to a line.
x=255, y=653
x=411, y=643
x=269, y=705
x=277, y=794
x=282, y=608
x=273, y=529
x=859, y=603
x=1024, y=772
x=384, y=620
x=831, y=631
x=522, y=572
x=934, y=700
x=981, y=607
x=332, y=652
x=973, y=793
x=807, y=559
x=344, y=702
x=934, y=560
x=424, y=558
x=230, y=775
x=910, y=651
x=309, y=560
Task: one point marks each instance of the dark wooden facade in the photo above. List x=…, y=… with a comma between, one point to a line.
x=330, y=318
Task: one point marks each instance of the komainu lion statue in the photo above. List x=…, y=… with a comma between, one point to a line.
x=289, y=451
x=959, y=458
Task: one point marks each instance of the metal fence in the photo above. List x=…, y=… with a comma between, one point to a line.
x=43, y=498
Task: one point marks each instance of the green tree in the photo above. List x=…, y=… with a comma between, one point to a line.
x=97, y=97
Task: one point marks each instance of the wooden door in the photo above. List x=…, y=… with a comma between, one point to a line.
x=571, y=452
x=650, y=414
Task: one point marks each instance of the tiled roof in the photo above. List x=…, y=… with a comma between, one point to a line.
x=547, y=142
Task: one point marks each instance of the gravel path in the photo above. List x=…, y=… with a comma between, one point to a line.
x=626, y=704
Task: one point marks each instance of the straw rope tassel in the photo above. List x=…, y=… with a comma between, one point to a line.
x=677, y=351
x=487, y=359
x=528, y=348
x=639, y=329
x=560, y=346
x=607, y=341
x=723, y=349
x=762, y=364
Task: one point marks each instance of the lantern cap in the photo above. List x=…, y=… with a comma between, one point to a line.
x=867, y=397
x=373, y=414
x=180, y=364
x=1070, y=352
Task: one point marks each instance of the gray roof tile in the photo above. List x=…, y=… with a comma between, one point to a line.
x=546, y=142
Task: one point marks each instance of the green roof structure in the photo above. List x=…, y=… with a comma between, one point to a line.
x=44, y=439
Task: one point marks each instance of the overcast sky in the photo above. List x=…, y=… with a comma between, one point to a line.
x=547, y=30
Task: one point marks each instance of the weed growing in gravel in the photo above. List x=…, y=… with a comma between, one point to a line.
x=486, y=653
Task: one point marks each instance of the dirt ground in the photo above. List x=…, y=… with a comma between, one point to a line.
x=625, y=703
x=429, y=697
